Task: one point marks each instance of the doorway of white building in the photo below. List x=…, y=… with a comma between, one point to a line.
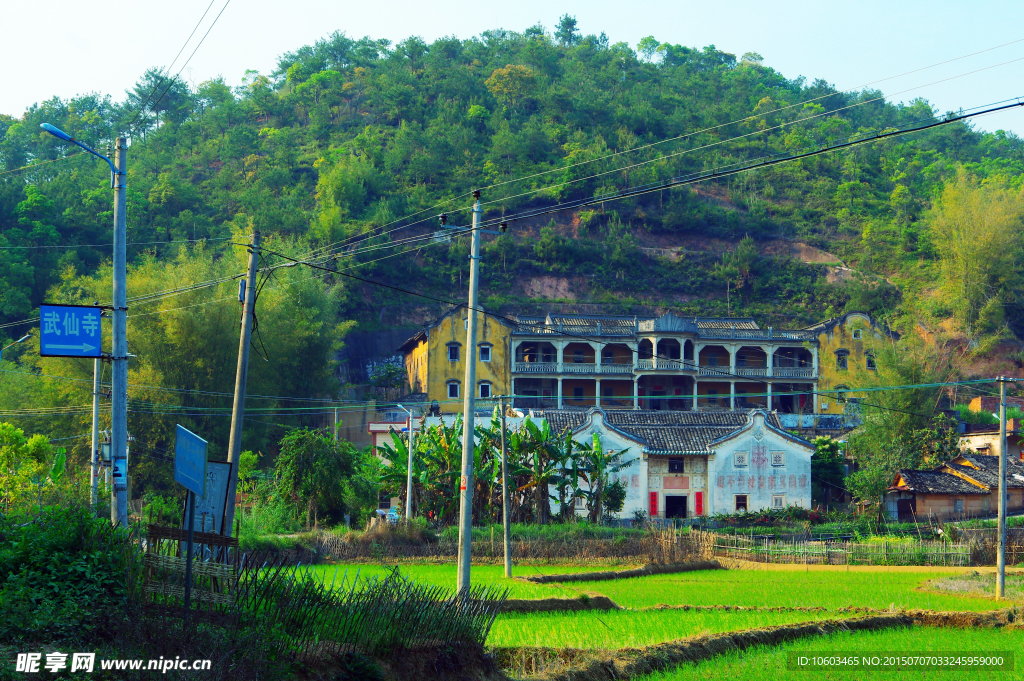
x=675, y=506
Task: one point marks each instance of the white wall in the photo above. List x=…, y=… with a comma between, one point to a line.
x=759, y=479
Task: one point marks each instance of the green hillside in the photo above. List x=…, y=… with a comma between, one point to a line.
x=348, y=140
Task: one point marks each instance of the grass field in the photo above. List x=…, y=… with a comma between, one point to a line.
x=769, y=663
x=629, y=628
x=784, y=589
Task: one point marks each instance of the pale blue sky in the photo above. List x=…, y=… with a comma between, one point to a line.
x=66, y=47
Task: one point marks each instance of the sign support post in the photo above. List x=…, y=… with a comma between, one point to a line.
x=188, y=553
x=190, y=462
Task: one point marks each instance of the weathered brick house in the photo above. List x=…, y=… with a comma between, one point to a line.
x=962, y=487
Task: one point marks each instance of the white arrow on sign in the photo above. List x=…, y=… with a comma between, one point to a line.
x=84, y=347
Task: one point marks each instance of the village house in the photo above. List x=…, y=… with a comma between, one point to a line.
x=985, y=439
x=966, y=486
x=666, y=363
x=685, y=464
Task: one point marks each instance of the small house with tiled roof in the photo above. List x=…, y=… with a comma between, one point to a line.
x=697, y=463
x=965, y=486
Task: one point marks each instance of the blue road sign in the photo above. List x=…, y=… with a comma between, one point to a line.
x=190, y=461
x=70, y=331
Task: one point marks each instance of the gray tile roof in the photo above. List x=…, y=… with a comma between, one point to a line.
x=726, y=323
x=987, y=470
x=661, y=431
x=935, y=482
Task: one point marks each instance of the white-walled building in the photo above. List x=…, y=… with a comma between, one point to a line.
x=697, y=463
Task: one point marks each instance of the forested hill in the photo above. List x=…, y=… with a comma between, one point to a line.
x=348, y=136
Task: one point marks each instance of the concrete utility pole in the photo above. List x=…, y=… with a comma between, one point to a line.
x=119, y=354
x=94, y=473
x=1001, y=550
x=408, y=473
x=466, y=481
x=241, y=378
x=506, y=503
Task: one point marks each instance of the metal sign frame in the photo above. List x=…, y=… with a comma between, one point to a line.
x=53, y=342
x=190, y=460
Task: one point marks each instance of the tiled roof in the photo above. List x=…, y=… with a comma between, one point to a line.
x=726, y=323
x=661, y=431
x=986, y=470
x=935, y=482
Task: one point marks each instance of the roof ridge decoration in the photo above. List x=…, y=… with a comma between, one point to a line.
x=757, y=420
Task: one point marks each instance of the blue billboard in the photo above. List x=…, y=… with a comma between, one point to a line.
x=70, y=331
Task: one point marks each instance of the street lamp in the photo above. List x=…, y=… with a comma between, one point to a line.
x=408, y=480
x=20, y=340
x=119, y=341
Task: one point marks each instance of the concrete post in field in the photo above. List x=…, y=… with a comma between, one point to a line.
x=1001, y=550
x=506, y=502
x=466, y=480
x=241, y=379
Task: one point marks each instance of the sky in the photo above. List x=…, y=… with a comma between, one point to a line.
x=65, y=47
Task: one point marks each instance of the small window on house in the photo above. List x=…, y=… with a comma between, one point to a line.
x=740, y=460
x=453, y=390
x=870, y=359
x=958, y=506
x=383, y=501
x=778, y=501
x=453, y=353
x=675, y=465
x=858, y=334
x=842, y=359
x=577, y=357
x=485, y=353
x=841, y=394
x=485, y=390
x=741, y=502
x=577, y=393
x=581, y=503
x=778, y=458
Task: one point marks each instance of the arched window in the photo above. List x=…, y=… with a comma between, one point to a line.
x=485, y=352
x=453, y=352
x=453, y=390
x=485, y=389
x=869, y=358
x=842, y=359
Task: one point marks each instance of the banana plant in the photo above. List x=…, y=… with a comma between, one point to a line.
x=598, y=466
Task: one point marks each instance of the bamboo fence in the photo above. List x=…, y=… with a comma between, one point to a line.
x=928, y=553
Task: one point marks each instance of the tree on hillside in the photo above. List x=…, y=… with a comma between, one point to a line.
x=977, y=229
x=566, y=31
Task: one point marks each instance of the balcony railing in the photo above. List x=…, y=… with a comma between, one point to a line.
x=612, y=368
x=793, y=372
x=536, y=367
x=662, y=364
x=578, y=368
x=751, y=371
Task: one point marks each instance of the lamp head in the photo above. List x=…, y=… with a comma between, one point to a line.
x=56, y=132
x=24, y=338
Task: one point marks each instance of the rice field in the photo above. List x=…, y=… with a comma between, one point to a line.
x=629, y=628
x=770, y=588
x=768, y=663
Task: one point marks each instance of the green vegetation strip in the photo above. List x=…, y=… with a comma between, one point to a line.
x=834, y=590
x=623, y=574
x=580, y=665
x=616, y=629
x=768, y=662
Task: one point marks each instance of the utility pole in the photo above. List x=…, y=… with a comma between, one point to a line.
x=241, y=378
x=1001, y=550
x=119, y=355
x=466, y=481
x=505, y=501
x=94, y=459
x=408, y=473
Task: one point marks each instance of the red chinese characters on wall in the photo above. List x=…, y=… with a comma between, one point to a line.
x=759, y=455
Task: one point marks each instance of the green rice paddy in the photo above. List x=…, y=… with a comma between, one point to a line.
x=771, y=588
x=629, y=628
x=768, y=663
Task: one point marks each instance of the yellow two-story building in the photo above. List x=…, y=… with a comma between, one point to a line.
x=847, y=345
x=435, y=360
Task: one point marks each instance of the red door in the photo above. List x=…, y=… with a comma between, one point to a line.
x=654, y=504
x=698, y=505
